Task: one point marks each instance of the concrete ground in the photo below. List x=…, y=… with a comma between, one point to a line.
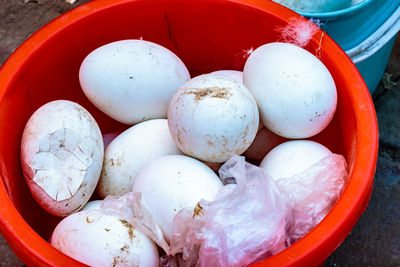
x=374, y=241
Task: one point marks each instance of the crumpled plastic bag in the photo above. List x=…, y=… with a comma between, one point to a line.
x=311, y=194
x=252, y=217
x=244, y=224
x=131, y=208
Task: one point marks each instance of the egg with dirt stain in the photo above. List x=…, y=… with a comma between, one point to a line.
x=212, y=117
x=295, y=92
x=132, y=80
x=174, y=182
x=61, y=156
x=97, y=238
x=128, y=153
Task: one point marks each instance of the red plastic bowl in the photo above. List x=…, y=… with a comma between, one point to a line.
x=207, y=35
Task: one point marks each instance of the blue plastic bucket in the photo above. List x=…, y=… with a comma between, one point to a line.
x=371, y=56
x=351, y=26
x=367, y=32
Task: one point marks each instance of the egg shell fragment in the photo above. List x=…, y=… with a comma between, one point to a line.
x=293, y=157
x=213, y=117
x=171, y=183
x=98, y=239
x=61, y=156
x=132, y=80
x=128, y=153
x=295, y=92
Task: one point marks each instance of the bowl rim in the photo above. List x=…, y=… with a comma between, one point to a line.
x=337, y=13
x=321, y=241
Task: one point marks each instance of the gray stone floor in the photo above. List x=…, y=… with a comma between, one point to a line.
x=374, y=241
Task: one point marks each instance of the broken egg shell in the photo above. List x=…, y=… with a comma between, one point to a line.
x=292, y=158
x=127, y=154
x=61, y=156
x=295, y=92
x=98, y=239
x=213, y=117
x=132, y=80
x=171, y=183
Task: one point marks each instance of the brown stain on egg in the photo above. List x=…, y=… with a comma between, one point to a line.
x=198, y=210
x=178, y=136
x=113, y=162
x=245, y=133
x=124, y=248
x=209, y=92
x=129, y=227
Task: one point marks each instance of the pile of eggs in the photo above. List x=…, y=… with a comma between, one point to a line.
x=182, y=127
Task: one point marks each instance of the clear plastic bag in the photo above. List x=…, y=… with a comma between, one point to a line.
x=131, y=208
x=252, y=217
x=245, y=223
x=311, y=194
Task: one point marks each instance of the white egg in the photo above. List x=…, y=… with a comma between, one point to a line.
x=233, y=74
x=295, y=92
x=310, y=178
x=61, y=155
x=315, y=5
x=99, y=239
x=171, y=183
x=92, y=205
x=127, y=154
x=213, y=117
x=132, y=80
x=293, y=157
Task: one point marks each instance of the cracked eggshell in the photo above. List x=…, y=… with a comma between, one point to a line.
x=293, y=157
x=213, y=117
x=233, y=74
x=127, y=154
x=171, y=183
x=132, y=80
x=295, y=92
x=61, y=156
x=99, y=239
